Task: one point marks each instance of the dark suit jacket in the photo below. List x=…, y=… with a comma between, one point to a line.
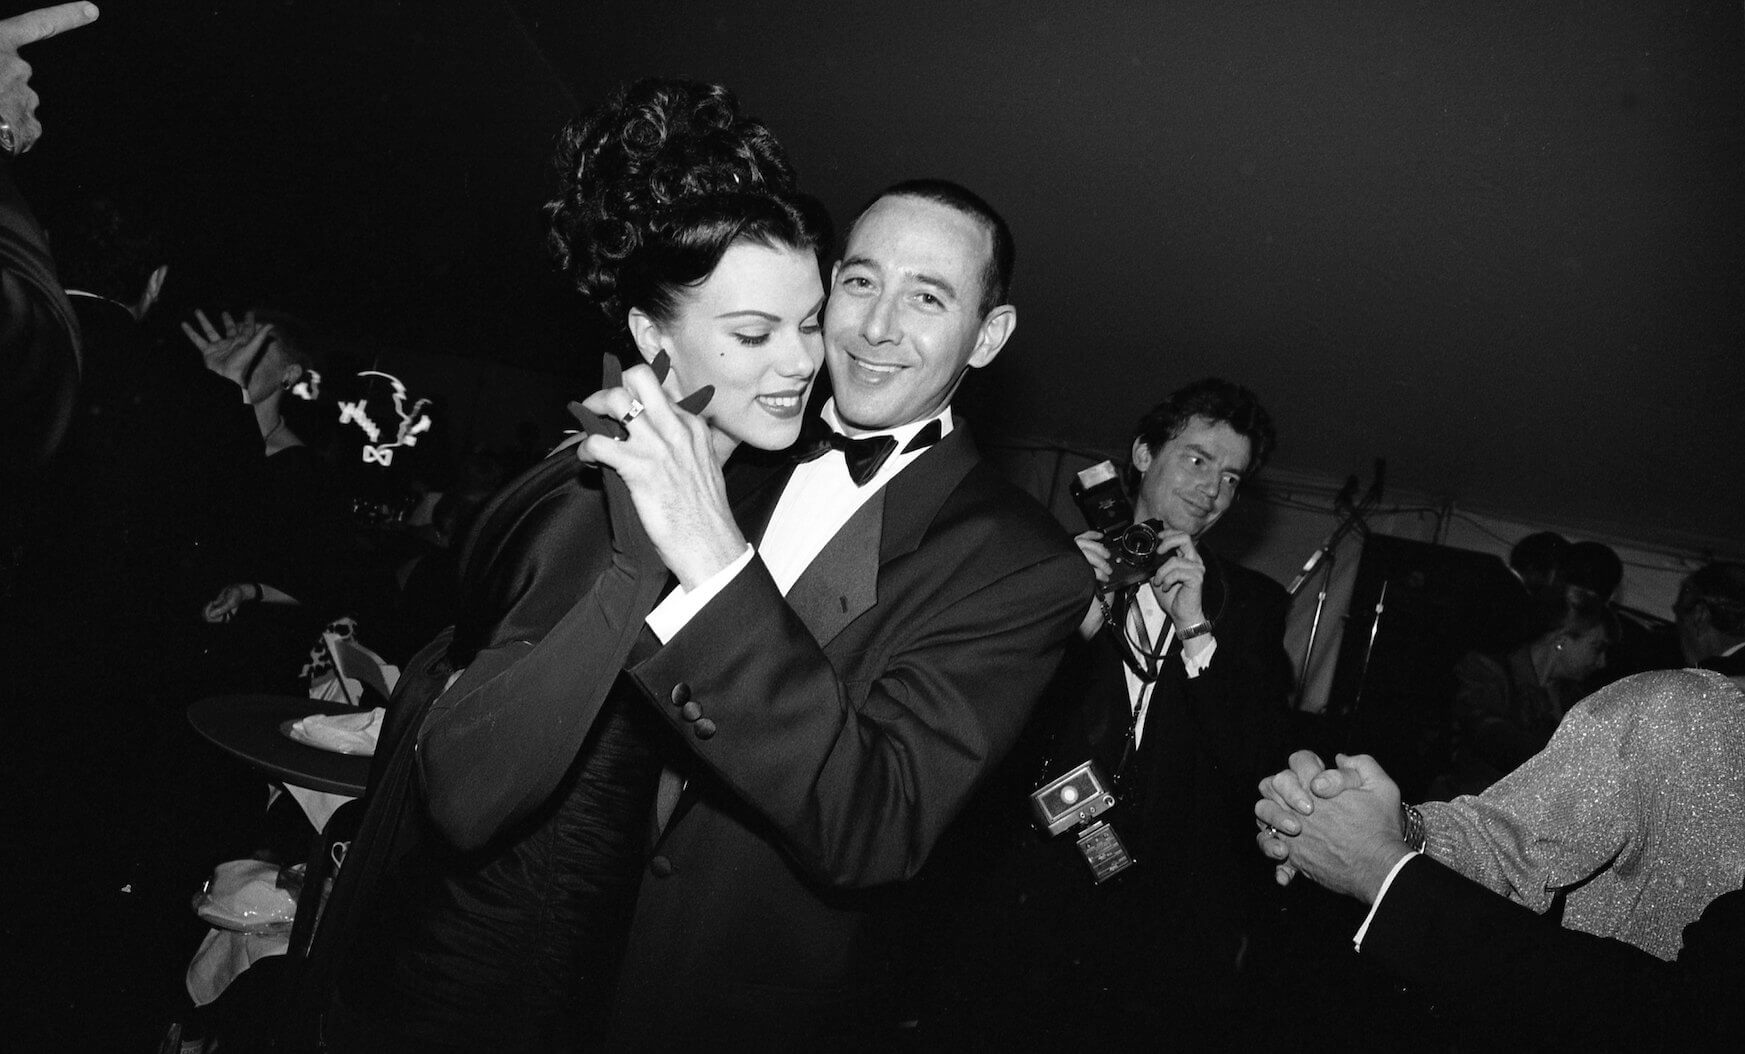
x=1185, y=812
x=1516, y=980
x=841, y=730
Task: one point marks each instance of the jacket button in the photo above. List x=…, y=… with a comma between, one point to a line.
x=704, y=728
x=681, y=694
x=690, y=711
x=662, y=867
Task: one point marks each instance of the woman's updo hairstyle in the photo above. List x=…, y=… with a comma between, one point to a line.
x=657, y=183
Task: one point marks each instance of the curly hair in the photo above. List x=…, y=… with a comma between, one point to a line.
x=1217, y=400
x=657, y=183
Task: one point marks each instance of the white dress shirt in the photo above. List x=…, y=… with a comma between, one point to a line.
x=817, y=500
x=1196, y=654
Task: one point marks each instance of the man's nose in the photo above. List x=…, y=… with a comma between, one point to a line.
x=883, y=323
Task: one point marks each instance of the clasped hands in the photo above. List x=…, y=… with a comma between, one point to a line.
x=1338, y=826
x=670, y=460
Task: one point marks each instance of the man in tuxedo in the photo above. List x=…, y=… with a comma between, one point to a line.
x=1509, y=977
x=1179, y=697
x=1710, y=614
x=843, y=684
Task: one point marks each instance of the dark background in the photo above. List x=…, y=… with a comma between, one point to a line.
x=1497, y=243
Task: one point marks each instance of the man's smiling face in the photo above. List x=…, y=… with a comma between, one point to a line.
x=904, y=320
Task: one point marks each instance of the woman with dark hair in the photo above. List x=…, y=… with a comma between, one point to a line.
x=513, y=787
x=1507, y=706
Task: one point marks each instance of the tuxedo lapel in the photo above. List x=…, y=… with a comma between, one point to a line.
x=842, y=581
x=753, y=489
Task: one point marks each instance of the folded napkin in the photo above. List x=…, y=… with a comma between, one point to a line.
x=340, y=733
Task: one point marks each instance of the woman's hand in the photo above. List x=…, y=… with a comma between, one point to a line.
x=667, y=459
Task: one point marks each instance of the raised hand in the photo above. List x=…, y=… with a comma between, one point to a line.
x=19, y=128
x=670, y=462
x=1180, y=581
x=234, y=353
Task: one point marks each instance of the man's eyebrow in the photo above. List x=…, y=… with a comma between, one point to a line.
x=860, y=261
x=938, y=283
x=1207, y=454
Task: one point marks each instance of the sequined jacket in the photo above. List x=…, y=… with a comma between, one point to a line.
x=1634, y=812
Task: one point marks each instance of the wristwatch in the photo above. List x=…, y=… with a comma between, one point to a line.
x=1412, y=826
x=1198, y=629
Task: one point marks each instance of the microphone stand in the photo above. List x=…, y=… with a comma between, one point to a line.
x=1323, y=560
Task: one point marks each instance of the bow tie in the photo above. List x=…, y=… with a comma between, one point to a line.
x=865, y=456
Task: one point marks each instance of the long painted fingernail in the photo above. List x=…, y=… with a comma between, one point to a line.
x=661, y=364
x=694, y=402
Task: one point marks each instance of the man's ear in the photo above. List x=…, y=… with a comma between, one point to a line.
x=1141, y=456
x=154, y=288
x=293, y=373
x=995, y=330
x=645, y=332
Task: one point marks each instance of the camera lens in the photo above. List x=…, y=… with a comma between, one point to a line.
x=1139, y=541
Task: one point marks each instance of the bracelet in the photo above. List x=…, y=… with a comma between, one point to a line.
x=1412, y=827
x=1198, y=629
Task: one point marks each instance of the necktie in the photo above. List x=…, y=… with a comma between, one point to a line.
x=866, y=455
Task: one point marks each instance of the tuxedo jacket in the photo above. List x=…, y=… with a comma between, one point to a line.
x=1186, y=797
x=1513, y=979
x=838, y=731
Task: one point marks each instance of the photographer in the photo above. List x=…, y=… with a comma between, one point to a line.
x=1178, y=696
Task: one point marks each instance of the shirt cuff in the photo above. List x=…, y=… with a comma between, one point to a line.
x=1196, y=659
x=671, y=614
x=1357, y=941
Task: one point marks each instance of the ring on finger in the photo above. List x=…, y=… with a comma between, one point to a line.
x=8, y=139
x=633, y=413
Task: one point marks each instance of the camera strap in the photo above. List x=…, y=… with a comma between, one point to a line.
x=1141, y=656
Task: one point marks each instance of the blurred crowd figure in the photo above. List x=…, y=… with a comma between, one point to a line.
x=1506, y=706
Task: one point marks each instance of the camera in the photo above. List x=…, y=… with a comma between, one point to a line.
x=1133, y=547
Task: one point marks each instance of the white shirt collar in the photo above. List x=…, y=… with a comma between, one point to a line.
x=903, y=433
